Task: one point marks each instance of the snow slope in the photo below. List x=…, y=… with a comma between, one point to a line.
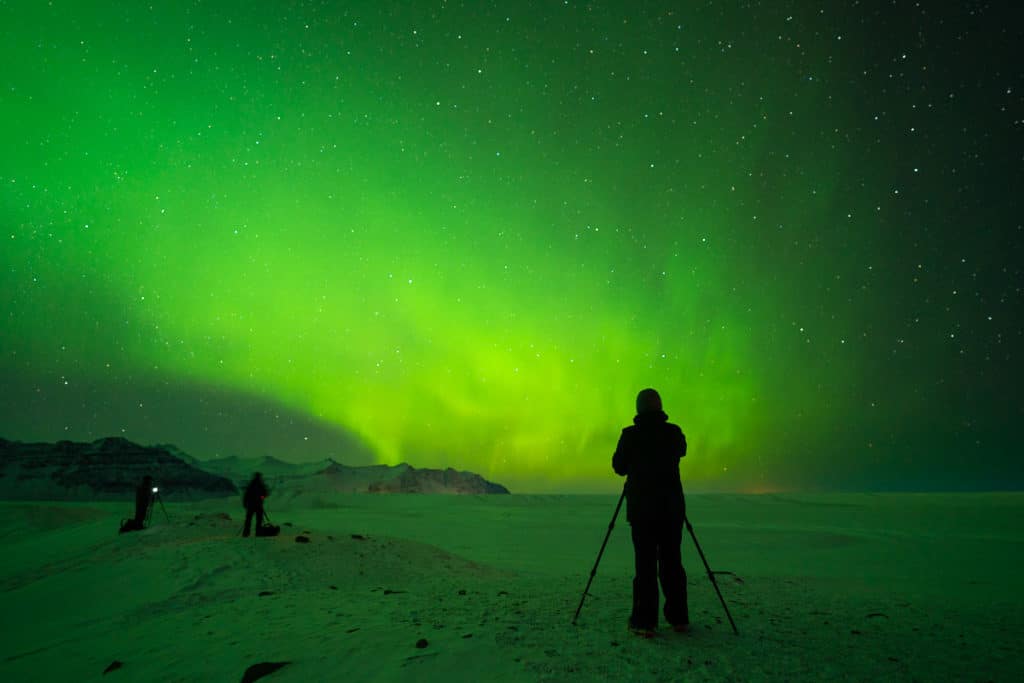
x=832, y=587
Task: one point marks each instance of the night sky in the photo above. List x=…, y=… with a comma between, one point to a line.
x=466, y=234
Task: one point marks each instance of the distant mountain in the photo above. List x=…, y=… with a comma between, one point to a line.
x=240, y=469
x=412, y=480
x=110, y=468
x=105, y=469
x=328, y=476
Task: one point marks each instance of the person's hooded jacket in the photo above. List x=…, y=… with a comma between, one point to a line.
x=255, y=492
x=648, y=454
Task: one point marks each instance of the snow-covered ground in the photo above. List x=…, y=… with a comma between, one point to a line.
x=826, y=587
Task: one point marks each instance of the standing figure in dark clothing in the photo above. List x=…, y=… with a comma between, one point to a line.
x=255, y=492
x=143, y=501
x=648, y=455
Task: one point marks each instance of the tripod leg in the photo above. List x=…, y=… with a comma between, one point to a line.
x=711, y=575
x=593, y=571
x=161, y=500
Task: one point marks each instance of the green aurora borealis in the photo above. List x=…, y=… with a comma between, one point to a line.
x=461, y=234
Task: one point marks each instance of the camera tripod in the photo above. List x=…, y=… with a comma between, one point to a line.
x=689, y=527
x=156, y=498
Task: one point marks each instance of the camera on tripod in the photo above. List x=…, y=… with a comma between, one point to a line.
x=154, y=498
x=147, y=495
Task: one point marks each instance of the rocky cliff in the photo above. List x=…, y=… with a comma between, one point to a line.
x=105, y=469
x=413, y=480
x=111, y=468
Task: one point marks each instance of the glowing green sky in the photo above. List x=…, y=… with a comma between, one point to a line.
x=464, y=236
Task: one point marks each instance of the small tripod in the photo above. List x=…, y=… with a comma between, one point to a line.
x=156, y=498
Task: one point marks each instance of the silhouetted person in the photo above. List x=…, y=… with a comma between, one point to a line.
x=143, y=499
x=255, y=493
x=648, y=455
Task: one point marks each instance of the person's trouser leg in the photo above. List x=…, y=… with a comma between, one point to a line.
x=140, y=514
x=645, y=579
x=259, y=519
x=248, y=521
x=672, y=574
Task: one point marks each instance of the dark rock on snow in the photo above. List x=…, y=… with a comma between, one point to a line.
x=258, y=671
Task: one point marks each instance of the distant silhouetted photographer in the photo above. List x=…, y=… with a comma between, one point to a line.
x=144, y=493
x=255, y=493
x=648, y=454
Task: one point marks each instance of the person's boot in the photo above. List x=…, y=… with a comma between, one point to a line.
x=642, y=631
